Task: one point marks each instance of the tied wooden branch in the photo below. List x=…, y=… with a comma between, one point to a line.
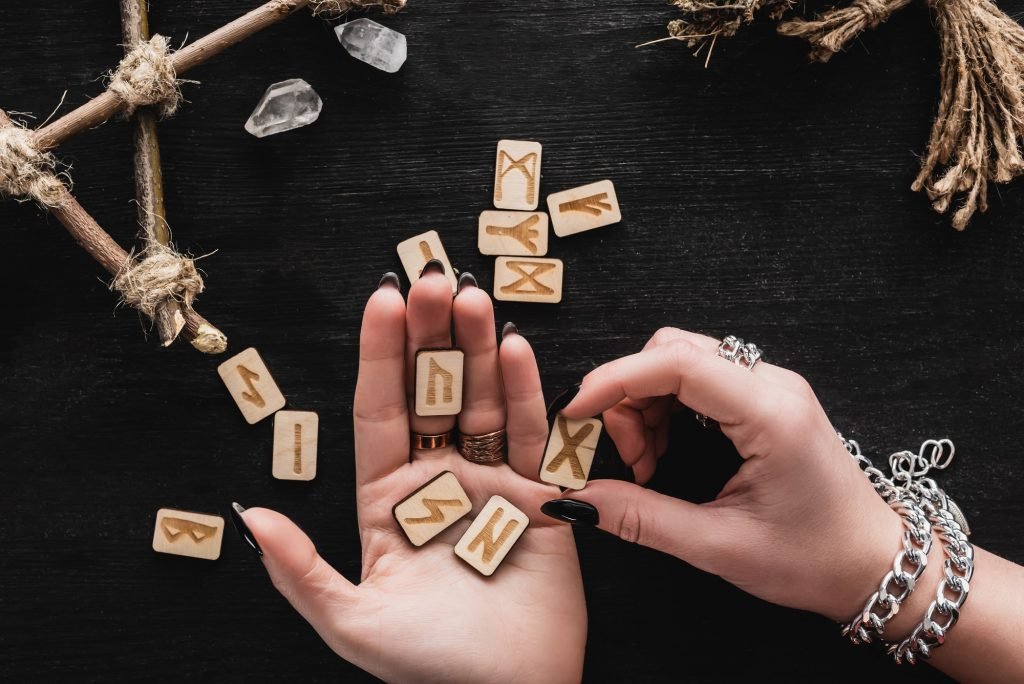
x=140, y=281
x=109, y=103
x=146, y=76
x=978, y=132
x=149, y=189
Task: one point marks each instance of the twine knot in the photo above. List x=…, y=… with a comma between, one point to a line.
x=875, y=11
x=146, y=77
x=335, y=9
x=25, y=172
x=158, y=275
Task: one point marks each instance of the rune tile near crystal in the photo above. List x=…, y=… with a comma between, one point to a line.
x=286, y=105
x=370, y=42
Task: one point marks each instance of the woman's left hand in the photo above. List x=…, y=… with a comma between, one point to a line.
x=422, y=614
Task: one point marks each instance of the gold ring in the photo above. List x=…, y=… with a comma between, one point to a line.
x=487, y=448
x=432, y=441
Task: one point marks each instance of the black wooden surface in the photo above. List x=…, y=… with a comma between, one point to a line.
x=764, y=196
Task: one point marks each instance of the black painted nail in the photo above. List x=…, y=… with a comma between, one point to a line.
x=433, y=266
x=510, y=328
x=571, y=511
x=389, y=278
x=562, y=400
x=466, y=280
x=243, y=529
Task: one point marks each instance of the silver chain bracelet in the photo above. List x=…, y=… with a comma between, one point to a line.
x=909, y=488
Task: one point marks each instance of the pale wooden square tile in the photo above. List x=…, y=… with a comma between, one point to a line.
x=570, y=451
x=584, y=208
x=517, y=233
x=439, y=382
x=492, y=535
x=417, y=251
x=522, y=279
x=184, y=533
x=432, y=508
x=251, y=385
x=517, y=175
x=295, y=441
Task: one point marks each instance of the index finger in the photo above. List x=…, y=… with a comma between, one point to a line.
x=701, y=380
x=380, y=411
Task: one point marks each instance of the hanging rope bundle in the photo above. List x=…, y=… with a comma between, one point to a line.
x=979, y=128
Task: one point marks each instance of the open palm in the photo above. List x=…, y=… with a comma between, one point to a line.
x=423, y=614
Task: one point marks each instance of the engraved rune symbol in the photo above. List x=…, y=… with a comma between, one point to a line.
x=297, y=465
x=175, y=527
x=434, y=506
x=570, y=443
x=486, y=535
x=446, y=380
x=425, y=251
x=523, y=232
x=593, y=205
x=506, y=164
x=253, y=396
x=528, y=283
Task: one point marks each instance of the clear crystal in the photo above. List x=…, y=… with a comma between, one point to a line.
x=370, y=42
x=286, y=105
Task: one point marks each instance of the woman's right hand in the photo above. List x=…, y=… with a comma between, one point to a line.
x=798, y=525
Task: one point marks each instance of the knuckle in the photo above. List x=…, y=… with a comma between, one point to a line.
x=631, y=524
x=803, y=388
x=681, y=351
x=663, y=335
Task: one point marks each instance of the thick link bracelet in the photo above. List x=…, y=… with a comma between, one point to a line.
x=897, y=584
x=907, y=489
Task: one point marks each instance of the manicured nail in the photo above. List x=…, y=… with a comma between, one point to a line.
x=433, y=266
x=243, y=529
x=465, y=280
x=509, y=329
x=571, y=511
x=391, y=279
x=562, y=400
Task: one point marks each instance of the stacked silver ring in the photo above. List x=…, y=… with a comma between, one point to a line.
x=734, y=350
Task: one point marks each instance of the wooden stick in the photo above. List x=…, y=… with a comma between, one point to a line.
x=106, y=105
x=101, y=247
x=149, y=185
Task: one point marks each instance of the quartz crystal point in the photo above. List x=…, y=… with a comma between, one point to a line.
x=374, y=44
x=286, y=105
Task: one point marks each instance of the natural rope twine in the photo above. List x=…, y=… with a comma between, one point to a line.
x=25, y=172
x=335, y=9
x=978, y=134
x=158, y=275
x=146, y=77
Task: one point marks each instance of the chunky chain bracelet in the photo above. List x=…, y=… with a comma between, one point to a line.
x=913, y=495
x=897, y=584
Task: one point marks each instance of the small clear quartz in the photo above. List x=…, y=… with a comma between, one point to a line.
x=285, y=106
x=370, y=42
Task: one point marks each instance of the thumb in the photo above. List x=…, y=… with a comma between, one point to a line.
x=315, y=589
x=686, y=530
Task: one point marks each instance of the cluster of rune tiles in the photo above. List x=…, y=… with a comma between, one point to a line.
x=517, y=235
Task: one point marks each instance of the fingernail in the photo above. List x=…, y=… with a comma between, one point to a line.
x=562, y=400
x=465, y=280
x=433, y=266
x=571, y=511
x=510, y=328
x=243, y=529
x=389, y=278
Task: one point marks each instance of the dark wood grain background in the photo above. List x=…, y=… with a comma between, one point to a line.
x=763, y=196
